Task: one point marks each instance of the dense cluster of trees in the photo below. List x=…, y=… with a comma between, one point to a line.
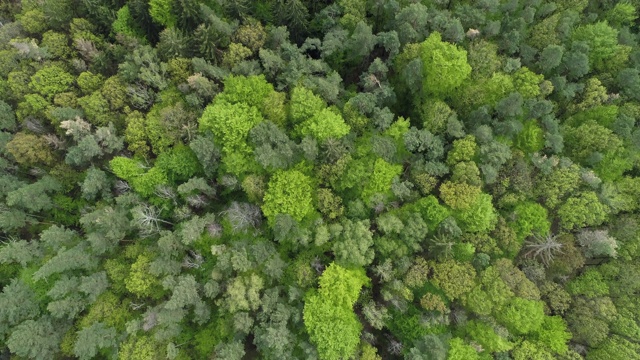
x=297, y=179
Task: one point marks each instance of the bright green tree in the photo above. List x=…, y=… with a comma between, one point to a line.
x=522, y=316
x=51, y=80
x=289, y=192
x=602, y=40
x=304, y=104
x=530, y=218
x=584, y=209
x=325, y=124
x=444, y=66
x=381, y=178
x=479, y=217
x=230, y=124
x=458, y=195
x=328, y=313
x=160, y=11
x=454, y=278
x=458, y=350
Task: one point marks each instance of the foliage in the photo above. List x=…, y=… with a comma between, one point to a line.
x=328, y=314
x=230, y=124
x=290, y=179
x=326, y=123
x=50, y=81
x=582, y=210
x=602, y=40
x=522, y=316
x=288, y=192
x=531, y=218
x=444, y=66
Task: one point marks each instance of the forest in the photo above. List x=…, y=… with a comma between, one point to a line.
x=322, y=180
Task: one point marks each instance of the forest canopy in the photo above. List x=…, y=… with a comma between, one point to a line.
x=330, y=180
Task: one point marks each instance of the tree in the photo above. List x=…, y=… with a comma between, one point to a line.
x=353, y=247
x=602, y=40
x=95, y=183
x=30, y=150
x=50, y=81
x=615, y=348
x=327, y=123
x=550, y=57
x=531, y=218
x=18, y=302
x=479, y=217
x=185, y=293
x=250, y=90
x=140, y=281
x=125, y=24
x=179, y=164
x=35, y=197
x=289, y=192
x=422, y=141
x=328, y=312
x=589, y=284
x=458, y=195
x=93, y=339
x=230, y=125
x=628, y=80
x=531, y=138
x=522, y=316
x=304, y=104
x=463, y=150
x=530, y=350
x=380, y=179
x=589, y=320
x=585, y=209
x=231, y=351
x=596, y=243
x=544, y=247
x=622, y=14
x=555, y=186
x=444, y=66
x=272, y=147
x=243, y=293
x=527, y=83
x=7, y=117
x=34, y=339
x=458, y=350
x=454, y=278
x=89, y=82
x=588, y=139
x=483, y=58
x=138, y=348
x=466, y=172
x=486, y=336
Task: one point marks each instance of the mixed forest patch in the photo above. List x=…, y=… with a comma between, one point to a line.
x=314, y=179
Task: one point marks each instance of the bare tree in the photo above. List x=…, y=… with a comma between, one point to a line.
x=384, y=271
x=544, y=248
x=166, y=192
x=395, y=347
x=34, y=125
x=86, y=48
x=147, y=217
x=150, y=321
x=122, y=186
x=214, y=229
x=193, y=260
x=317, y=265
x=243, y=215
x=197, y=201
